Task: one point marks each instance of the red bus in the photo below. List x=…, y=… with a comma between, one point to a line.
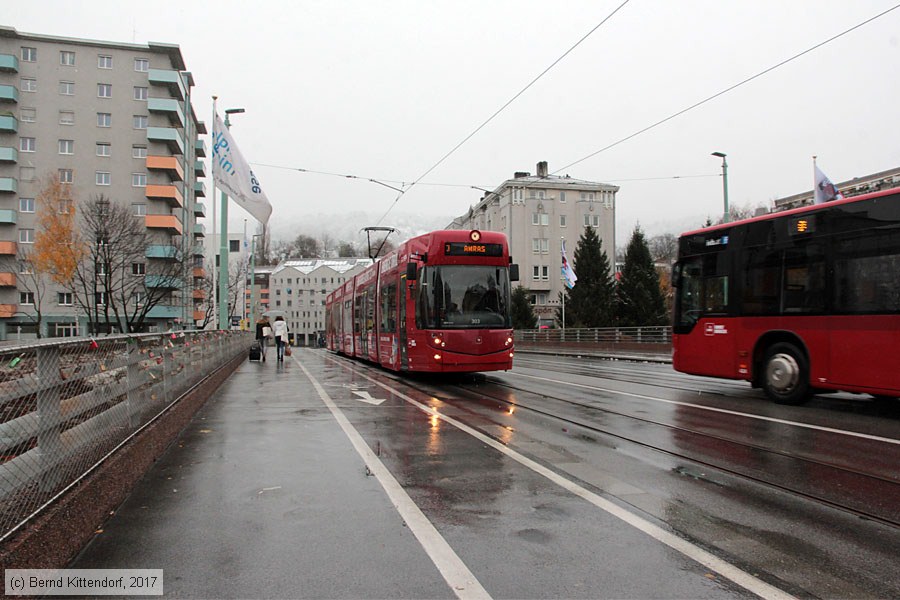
x=796, y=302
x=439, y=303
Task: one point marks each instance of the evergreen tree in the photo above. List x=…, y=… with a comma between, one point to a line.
x=640, y=301
x=521, y=311
x=592, y=301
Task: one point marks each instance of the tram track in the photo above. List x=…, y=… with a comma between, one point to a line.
x=841, y=496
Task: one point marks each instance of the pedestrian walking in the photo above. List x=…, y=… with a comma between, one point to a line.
x=263, y=333
x=280, y=330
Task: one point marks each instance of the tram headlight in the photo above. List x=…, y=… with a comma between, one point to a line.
x=509, y=340
x=437, y=341
x=437, y=356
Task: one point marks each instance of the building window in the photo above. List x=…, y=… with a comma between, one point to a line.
x=64, y=298
x=66, y=117
x=138, y=180
x=103, y=178
x=66, y=176
x=140, y=93
x=540, y=246
x=540, y=219
x=67, y=146
x=235, y=246
x=104, y=90
x=28, y=85
x=29, y=54
x=535, y=272
x=562, y=196
x=139, y=298
x=27, y=144
x=26, y=205
x=67, y=58
x=26, y=297
x=562, y=220
x=138, y=269
x=141, y=64
x=545, y=273
x=104, y=61
x=67, y=88
x=104, y=120
x=139, y=151
x=139, y=210
x=104, y=149
x=592, y=220
x=29, y=115
x=100, y=298
x=26, y=236
x=140, y=121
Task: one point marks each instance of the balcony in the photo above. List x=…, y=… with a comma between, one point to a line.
x=8, y=216
x=201, y=127
x=162, y=282
x=9, y=93
x=165, y=311
x=170, y=164
x=168, y=136
x=200, y=148
x=199, y=189
x=199, y=210
x=169, y=193
x=198, y=294
x=168, y=222
x=8, y=184
x=9, y=63
x=8, y=310
x=7, y=280
x=199, y=168
x=198, y=250
x=199, y=230
x=8, y=154
x=170, y=79
x=169, y=107
x=199, y=315
x=9, y=124
x=163, y=252
x=8, y=249
x=199, y=272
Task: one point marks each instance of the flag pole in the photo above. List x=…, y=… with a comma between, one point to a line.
x=562, y=242
x=223, y=254
x=213, y=293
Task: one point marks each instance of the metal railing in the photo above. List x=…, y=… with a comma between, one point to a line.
x=602, y=335
x=66, y=405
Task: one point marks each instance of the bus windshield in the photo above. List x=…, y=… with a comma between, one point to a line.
x=463, y=297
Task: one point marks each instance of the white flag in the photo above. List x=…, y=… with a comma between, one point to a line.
x=824, y=190
x=232, y=173
x=568, y=272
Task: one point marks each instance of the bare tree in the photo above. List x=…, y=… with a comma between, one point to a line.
x=29, y=280
x=115, y=284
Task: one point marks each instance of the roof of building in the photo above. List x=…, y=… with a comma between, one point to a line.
x=306, y=266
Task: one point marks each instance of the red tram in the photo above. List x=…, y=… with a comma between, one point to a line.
x=439, y=303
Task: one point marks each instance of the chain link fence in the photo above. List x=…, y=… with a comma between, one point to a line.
x=66, y=405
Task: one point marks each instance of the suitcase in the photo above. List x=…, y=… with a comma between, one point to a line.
x=255, y=352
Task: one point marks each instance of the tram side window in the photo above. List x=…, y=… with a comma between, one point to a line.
x=358, y=312
x=865, y=274
x=388, y=307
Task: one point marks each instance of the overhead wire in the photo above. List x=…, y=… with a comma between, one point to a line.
x=726, y=90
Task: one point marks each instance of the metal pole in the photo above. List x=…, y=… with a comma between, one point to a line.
x=253, y=285
x=725, y=188
x=223, y=253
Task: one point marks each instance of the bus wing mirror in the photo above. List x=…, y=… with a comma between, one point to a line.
x=513, y=272
x=676, y=275
x=411, y=271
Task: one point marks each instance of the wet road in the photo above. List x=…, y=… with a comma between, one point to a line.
x=563, y=478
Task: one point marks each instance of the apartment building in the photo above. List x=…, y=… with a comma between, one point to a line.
x=103, y=118
x=299, y=288
x=537, y=212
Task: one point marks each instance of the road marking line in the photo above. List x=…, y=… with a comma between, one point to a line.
x=707, y=559
x=719, y=410
x=457, y=575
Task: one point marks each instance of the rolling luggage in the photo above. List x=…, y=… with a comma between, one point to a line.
x=255, y=352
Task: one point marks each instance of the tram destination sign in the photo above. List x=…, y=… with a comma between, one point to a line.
x=472, y=249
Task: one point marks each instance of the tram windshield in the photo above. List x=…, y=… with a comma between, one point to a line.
x=463, y=297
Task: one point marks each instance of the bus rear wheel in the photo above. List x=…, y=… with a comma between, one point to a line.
x=786, y=374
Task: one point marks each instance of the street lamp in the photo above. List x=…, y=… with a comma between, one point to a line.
x=223, y=243
x=721, y=155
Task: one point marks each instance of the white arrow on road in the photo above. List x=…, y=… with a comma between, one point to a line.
x=367, y=398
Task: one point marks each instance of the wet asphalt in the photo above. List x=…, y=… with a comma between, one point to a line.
x=264, y=496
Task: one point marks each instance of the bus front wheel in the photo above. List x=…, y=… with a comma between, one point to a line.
x=786, y=375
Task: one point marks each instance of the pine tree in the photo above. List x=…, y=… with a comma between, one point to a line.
x=521, y=311
x=592, y=300
x=640, y=301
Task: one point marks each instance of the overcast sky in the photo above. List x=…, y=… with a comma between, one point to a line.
x=384, y=89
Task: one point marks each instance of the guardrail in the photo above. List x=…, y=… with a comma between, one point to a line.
x=66, y=405
x=605, y=335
